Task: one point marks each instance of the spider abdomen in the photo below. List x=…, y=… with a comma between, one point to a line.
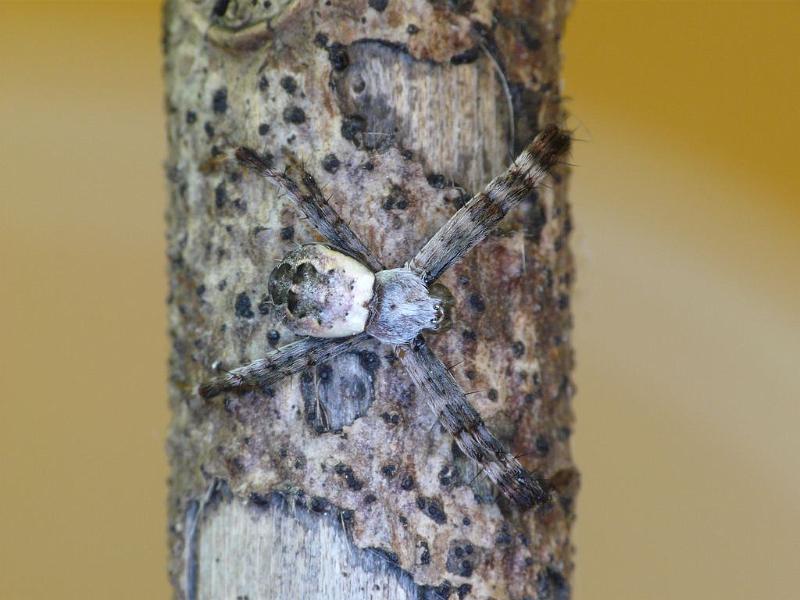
x=324, y=293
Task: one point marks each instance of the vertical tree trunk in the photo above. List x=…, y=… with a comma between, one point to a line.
x=338, y=483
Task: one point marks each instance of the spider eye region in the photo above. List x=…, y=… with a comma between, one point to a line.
x=323, y=293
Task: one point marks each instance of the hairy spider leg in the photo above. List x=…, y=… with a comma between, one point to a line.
x=280, y=363
x=447, y=400
x=312, y=203
x=470, y=225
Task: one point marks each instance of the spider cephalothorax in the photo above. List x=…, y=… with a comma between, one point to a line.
x=341, y=295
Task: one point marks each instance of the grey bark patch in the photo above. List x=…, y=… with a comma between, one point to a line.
x=290, y=553
x=337, y=393
x=380, y=86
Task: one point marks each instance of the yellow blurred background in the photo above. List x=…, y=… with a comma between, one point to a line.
x=686, y=198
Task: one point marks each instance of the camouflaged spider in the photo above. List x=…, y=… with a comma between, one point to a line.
x=341, y=295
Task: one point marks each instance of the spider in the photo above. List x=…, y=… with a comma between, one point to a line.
x=339, y=295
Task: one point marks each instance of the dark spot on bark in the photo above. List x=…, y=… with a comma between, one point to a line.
x=289, y=84
x=359, y=85
x=321, y=40
x=436, y=180
x=463, y=590
x=220, y=195
x=407, y=483
x=243, y=307
x=542, y=445
x=324, y=373
x=439, y=592
x=209, y=129
x=349, y=477
x=563, y=302
x=370, y=498
x=337, y=54
x=412, y=29
x=222, y=285
x=551, y=585
x=403, y=521
x=287, y=233
x=369, y=361
x=503, y=538
x=449, y=476
x=461, y=200
x=462, y=7
x=200, y=290
x=319, y=504
x=518, y=349
x=389, y=471
x=263, y=306
x=492, y=395
x=433, y=509
x=477, y=303
x=273, y=337
x=260, y=500
x=531, y=42
x=425, y=555
x=331, y=163
x=379, y=5
x=263, y=83
x=468, y=335
x=294, y=115
x=263, y=129
x=466, y=57
x=396, y=199
x=352, y=128
x=220, y=6
x=219, y=101
x=235, y=465
x=191, y=117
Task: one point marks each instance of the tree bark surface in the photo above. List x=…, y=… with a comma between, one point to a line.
x=338, y=482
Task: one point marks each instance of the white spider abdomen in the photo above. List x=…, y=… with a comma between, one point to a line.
x=324, y=293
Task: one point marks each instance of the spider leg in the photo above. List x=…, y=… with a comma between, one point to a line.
x=307, y=196
x=447, y=400
x=280, y=363
x=470, y=225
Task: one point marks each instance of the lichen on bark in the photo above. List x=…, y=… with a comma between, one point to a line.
x=401, y=111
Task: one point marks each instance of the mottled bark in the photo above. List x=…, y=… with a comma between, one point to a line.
x=339, y=483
